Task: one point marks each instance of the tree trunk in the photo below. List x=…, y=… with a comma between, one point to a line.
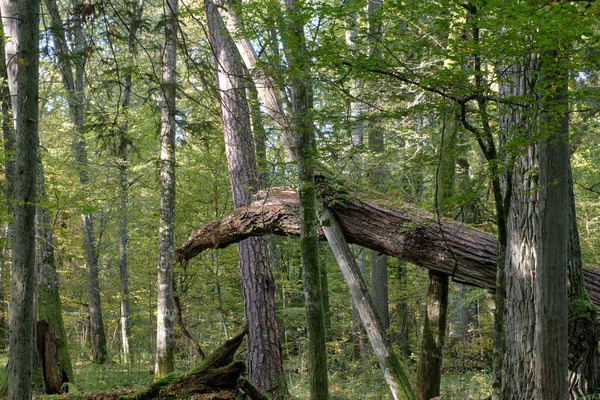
x=265, y=367
x=388, y=361
x=584, y=332
x=429, y=373
x=23, y=257
x=165, y=327
x=55, y=350
x=73, y=83
x=536, y=277
x=405, y=233
x=379, y=273
x=46, y=348
x=137, y=8
x=271, y=97
x=551, y=298
x=8, y=139
x=307, y=153
x=429, y=369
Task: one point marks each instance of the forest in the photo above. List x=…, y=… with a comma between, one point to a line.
x=300, y=199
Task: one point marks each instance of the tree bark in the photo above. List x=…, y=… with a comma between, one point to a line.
x=551, y=297
x=403, y=232
x=429, y=373
x=73, y=82
x=265, y=367
x=49, y=313
x=271, y=98
x=584, y=332
x=165, y=327
x=8, y=139
x=136, y=10
x=388, y=361
x=26, y=36
x=302, y=120
x=46, y=348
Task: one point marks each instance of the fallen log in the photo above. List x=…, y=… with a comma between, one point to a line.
x=405, y=232
x=218, y=374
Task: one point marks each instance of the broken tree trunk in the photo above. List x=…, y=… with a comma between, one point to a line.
x=217, y=374
x=404, y=232
x=388, y=361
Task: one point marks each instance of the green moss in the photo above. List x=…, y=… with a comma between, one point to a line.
x=581, y=308
x=154, y=388
x=393, y=364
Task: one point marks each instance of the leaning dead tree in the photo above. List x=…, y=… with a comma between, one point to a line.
x=399, y=230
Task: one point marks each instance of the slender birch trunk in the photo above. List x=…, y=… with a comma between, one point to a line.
x=165, y=334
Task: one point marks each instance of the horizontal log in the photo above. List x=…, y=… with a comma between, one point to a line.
x=405, y=232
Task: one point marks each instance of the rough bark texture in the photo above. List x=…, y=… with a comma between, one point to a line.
x=403, y=232
x=551, y=298
x=26, y=12
x=49, y=312
x=429, y=371
x=265, y=367
x=73, y=82
x=379, y=286
x=46, y=348
x=165, y=327
x=269, y=95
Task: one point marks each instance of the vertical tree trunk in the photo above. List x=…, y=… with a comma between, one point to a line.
x=429, y=370
x=73, y=82
x=520, y=272
x=379, y=271
x=307, y=152
x=165, y=334
x=265, y=365
x=536, y=273
x=551, y=346
x=49, y=312
x=8, y=139
x=583, y=326
x=136, y=9
x=271, y=97
x=26, y=12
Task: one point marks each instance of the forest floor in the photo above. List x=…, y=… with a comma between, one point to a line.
x=112, y=380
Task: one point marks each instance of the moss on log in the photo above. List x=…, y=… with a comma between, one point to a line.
x=218, y=375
